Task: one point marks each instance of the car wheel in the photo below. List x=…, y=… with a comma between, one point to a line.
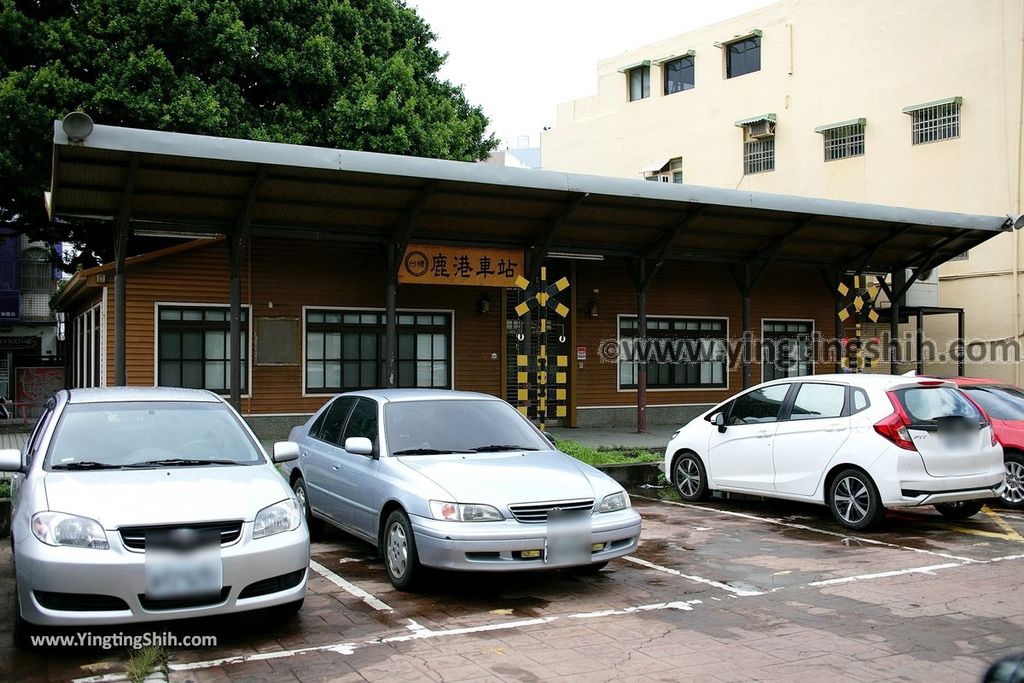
x=285, y=611
x=854, y=500
x=961, y=509
x=400, y=559
x=690, y=477
x=590, y=569
x=315, y=525
x=1013, y=490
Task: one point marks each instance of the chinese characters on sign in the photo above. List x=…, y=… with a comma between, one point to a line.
x=430, y=264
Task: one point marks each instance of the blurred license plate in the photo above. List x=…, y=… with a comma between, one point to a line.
x=568, y=539
x=183, y=565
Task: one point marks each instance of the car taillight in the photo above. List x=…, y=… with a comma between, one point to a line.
x=894, y=427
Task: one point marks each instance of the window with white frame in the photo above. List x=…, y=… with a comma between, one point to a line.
x=345, y=350
x=934, y=121
x=87, y=349
x=787, y=349
x=639, y=82
x=194, y=347
x=681, y=353
x=843, y=140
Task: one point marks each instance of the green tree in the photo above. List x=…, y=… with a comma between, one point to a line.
x=351, y=74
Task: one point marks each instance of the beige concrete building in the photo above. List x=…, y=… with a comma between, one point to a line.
x=913, y=103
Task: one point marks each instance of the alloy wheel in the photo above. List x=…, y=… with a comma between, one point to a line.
x=398, y=550
x=300, y=494
x=852, y=500
x=1013, y=489
x=687, y=476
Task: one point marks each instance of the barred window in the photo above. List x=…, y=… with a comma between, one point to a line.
x=843, y=141
x=36, y=271
x=935, y=122
x=683, y=353
x=758, y=156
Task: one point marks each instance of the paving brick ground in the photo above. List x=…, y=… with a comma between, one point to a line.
x=724, y=591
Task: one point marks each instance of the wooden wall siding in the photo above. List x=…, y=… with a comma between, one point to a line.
x=686, y=289
x=284, y=276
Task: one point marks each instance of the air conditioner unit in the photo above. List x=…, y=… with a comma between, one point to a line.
x=759, y=130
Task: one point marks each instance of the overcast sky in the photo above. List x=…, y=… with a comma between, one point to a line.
x=520, y=58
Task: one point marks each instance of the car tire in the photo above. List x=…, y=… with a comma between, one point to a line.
x=315, y=524
x=689, y=477
x=590, y=569
x=854, y=500
x=284, y=612
x=399, y=550
x=961, y=509
x=1013, y=491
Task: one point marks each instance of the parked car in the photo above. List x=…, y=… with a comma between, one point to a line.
x=455, y=480
x=1004, y=404
x=858, y=443
x=136, y=505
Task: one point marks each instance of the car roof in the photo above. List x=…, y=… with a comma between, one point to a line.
x=404, y=395
x=114, y=394
x=865, y=380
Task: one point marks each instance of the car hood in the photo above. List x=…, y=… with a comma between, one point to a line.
x=501, y=479
x=169, y=495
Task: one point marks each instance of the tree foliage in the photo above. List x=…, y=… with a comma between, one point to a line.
x=351, y=74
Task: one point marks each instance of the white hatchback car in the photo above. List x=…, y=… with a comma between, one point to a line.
x=857, y=443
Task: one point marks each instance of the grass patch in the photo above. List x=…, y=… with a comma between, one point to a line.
x=5, y=488
x=143, y=662
x=607, y=456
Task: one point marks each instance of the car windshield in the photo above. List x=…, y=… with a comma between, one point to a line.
x=458, y=426
x=1001, y=403
x=927, y=404
x=149, y=434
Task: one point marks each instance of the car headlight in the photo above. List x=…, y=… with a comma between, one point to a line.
x=57, y=528
x=615, y=502
x=464, y=512
x=283, y=516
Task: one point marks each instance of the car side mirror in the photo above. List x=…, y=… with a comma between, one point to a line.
x=359, y=445
x=719, y=420
x=550, y=438
x=286, y=451
x=10, y=460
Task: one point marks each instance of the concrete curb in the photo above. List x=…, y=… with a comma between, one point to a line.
x=633, y=474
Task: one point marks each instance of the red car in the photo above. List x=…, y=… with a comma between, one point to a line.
x=1004, y=404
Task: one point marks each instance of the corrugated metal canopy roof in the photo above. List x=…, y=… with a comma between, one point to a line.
x=191, y=183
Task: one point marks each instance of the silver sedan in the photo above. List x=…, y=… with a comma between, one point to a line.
x=455, y=480
x=134, y=505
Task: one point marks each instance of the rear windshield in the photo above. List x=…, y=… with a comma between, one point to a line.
x=926, y=404
x=1001, y=403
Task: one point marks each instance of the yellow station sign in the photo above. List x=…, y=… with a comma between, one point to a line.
x=431, y=264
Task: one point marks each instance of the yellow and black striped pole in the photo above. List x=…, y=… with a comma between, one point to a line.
x=543, y=299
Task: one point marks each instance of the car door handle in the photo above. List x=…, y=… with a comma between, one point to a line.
x=834, y=428
x=763, y=434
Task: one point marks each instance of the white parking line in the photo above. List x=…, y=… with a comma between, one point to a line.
x=804, y=527
x=882, y=575
x=351, y=588
x=742, y=592
x=685, y=606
